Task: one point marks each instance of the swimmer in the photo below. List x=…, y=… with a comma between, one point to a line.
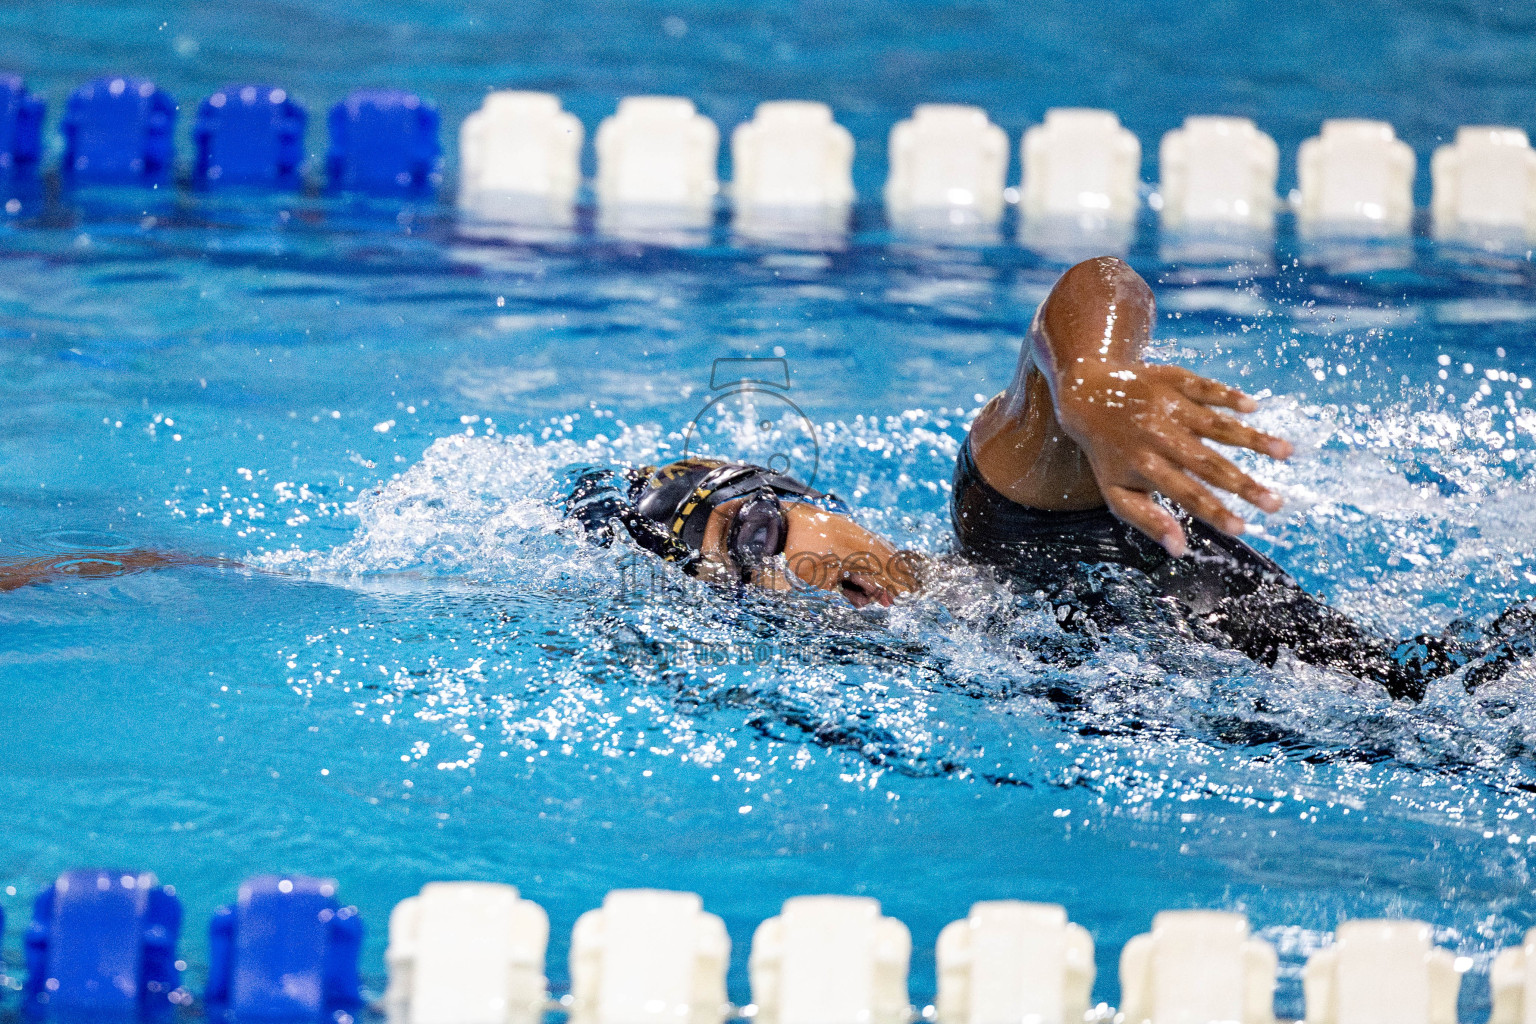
x=1090, y=457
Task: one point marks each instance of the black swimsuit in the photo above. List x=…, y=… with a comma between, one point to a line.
x=1223, y=587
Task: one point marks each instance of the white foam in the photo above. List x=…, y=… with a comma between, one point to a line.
x=486, y=509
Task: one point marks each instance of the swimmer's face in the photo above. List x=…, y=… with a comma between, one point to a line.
x=823, y=550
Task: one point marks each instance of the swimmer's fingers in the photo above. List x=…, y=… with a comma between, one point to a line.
x=1140, y=510
x=1223, y=429
x=1206, y=391
x=1174, y=481
x=1198, y=459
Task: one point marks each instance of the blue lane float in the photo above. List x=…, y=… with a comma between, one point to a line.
x=384, y=141
x=21, y=127
x=103, y=942
x=250, y=135
x=286, y=950
x=119, y=131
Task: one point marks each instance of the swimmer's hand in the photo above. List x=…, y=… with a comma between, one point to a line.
x=22, y=572
x=1144, y=427
x=1088, y=420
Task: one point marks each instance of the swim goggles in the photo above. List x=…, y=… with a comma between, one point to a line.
x=673, y=504
x=757, y=533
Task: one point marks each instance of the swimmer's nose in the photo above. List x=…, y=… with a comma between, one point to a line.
x=861, y=589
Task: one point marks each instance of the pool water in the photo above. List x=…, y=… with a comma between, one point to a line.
x=419, y=673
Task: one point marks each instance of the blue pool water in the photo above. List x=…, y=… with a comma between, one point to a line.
x=420, y=675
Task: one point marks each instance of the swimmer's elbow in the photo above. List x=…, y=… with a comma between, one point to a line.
x=1099, y=282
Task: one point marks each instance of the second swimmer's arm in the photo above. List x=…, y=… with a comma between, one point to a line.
x=1087, y=421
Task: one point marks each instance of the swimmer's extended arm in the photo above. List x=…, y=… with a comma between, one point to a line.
x=1087, y=422
x=17, y=573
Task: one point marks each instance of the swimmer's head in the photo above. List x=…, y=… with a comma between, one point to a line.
x=736, y=521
